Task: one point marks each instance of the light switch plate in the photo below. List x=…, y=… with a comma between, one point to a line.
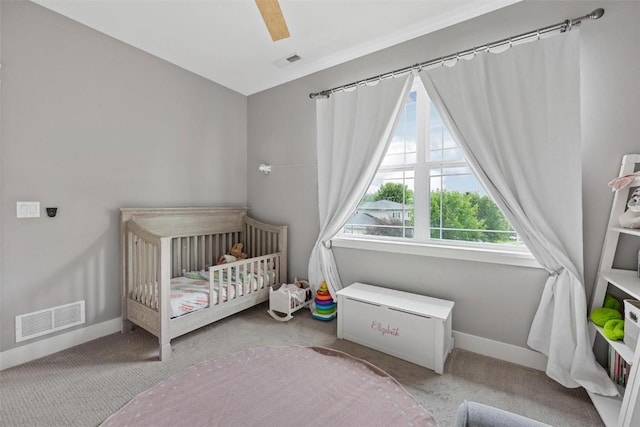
x=28, y=209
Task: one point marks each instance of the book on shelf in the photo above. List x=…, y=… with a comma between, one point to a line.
x=619, y=368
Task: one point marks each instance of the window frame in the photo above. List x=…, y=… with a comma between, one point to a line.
x=427, y=246
x=498, y=254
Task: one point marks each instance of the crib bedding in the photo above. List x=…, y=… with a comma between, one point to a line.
x=190, y=292
x=188, y=295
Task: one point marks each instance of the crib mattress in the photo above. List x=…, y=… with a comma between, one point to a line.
x=189, y=294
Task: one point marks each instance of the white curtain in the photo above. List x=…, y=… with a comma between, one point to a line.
x=516, y=116
x=353, y=132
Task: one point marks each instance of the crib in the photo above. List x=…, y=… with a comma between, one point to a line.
x=171, y=284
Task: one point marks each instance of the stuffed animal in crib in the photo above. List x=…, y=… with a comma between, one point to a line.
x=236, y=251
x=631, y=217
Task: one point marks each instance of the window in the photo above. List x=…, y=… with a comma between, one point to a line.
x=424, y=190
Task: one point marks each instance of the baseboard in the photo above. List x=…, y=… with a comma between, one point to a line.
x=26, y=353
x=499, y=350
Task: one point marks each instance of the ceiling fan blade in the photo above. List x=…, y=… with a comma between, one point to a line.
x=273, y=18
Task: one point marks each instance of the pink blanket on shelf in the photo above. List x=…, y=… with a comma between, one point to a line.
x=282, y=386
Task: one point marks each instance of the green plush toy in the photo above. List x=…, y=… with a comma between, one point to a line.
x=611, y=302
x=614, y=329
x=600, y=316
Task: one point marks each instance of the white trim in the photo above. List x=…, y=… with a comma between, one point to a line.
x=26, y=353
x=496, y=256
x=502, y=351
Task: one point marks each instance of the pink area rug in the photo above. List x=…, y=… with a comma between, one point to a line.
x=281, y=386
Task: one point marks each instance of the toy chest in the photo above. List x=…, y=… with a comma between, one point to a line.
x=284, y=300
x=412, y=327
x=631, y=322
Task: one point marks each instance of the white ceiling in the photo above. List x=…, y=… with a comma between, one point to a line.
x=227, y=42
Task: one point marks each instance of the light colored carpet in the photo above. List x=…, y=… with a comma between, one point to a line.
x=84, y=385
x=276, y=386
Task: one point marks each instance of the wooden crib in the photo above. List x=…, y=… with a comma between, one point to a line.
x=161, y=245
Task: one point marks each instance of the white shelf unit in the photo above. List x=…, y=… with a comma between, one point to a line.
x=618, y=411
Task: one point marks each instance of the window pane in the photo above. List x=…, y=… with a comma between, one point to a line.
x=442, y=146
x=461, y=209
x=387, y=208
x=402, y=148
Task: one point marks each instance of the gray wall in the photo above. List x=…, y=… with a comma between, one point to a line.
x=492, y=301
x=90, y=125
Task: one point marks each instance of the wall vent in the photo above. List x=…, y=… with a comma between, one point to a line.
x=288, y=60
x=43, y=322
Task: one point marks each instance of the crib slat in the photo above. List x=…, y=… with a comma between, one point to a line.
x=149, y=272
x=259, y=242
x=147, y=275
x=139, y=280
x=192, y=252
x=186, y=253
x=264, y=241
x=224, y=281
x=129, y=292
x=239, y=281
x=201, y=252
x=144, y=285
x=143, y=270
x=208, y=251
x=253, y=241
x=178, y=256
x=133, y=286
x=153, y=275
x=134, y=267
x=174, y=259
x=139, y=271
x=243, y=239
x=256, y=241
x=193, y=256
x=184, y=242
x=131, y=265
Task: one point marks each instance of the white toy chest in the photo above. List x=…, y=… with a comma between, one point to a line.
x=412, y=327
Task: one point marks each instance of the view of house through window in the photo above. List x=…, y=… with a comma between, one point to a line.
x=424, y=189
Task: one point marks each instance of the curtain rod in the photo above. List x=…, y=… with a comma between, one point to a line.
x=563, y=26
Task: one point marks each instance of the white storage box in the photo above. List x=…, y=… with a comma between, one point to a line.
x=631, y=322
x=412, y=327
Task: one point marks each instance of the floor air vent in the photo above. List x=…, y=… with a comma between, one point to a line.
x=53, y=319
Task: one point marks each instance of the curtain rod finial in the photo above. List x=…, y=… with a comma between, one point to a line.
x=596, y=14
